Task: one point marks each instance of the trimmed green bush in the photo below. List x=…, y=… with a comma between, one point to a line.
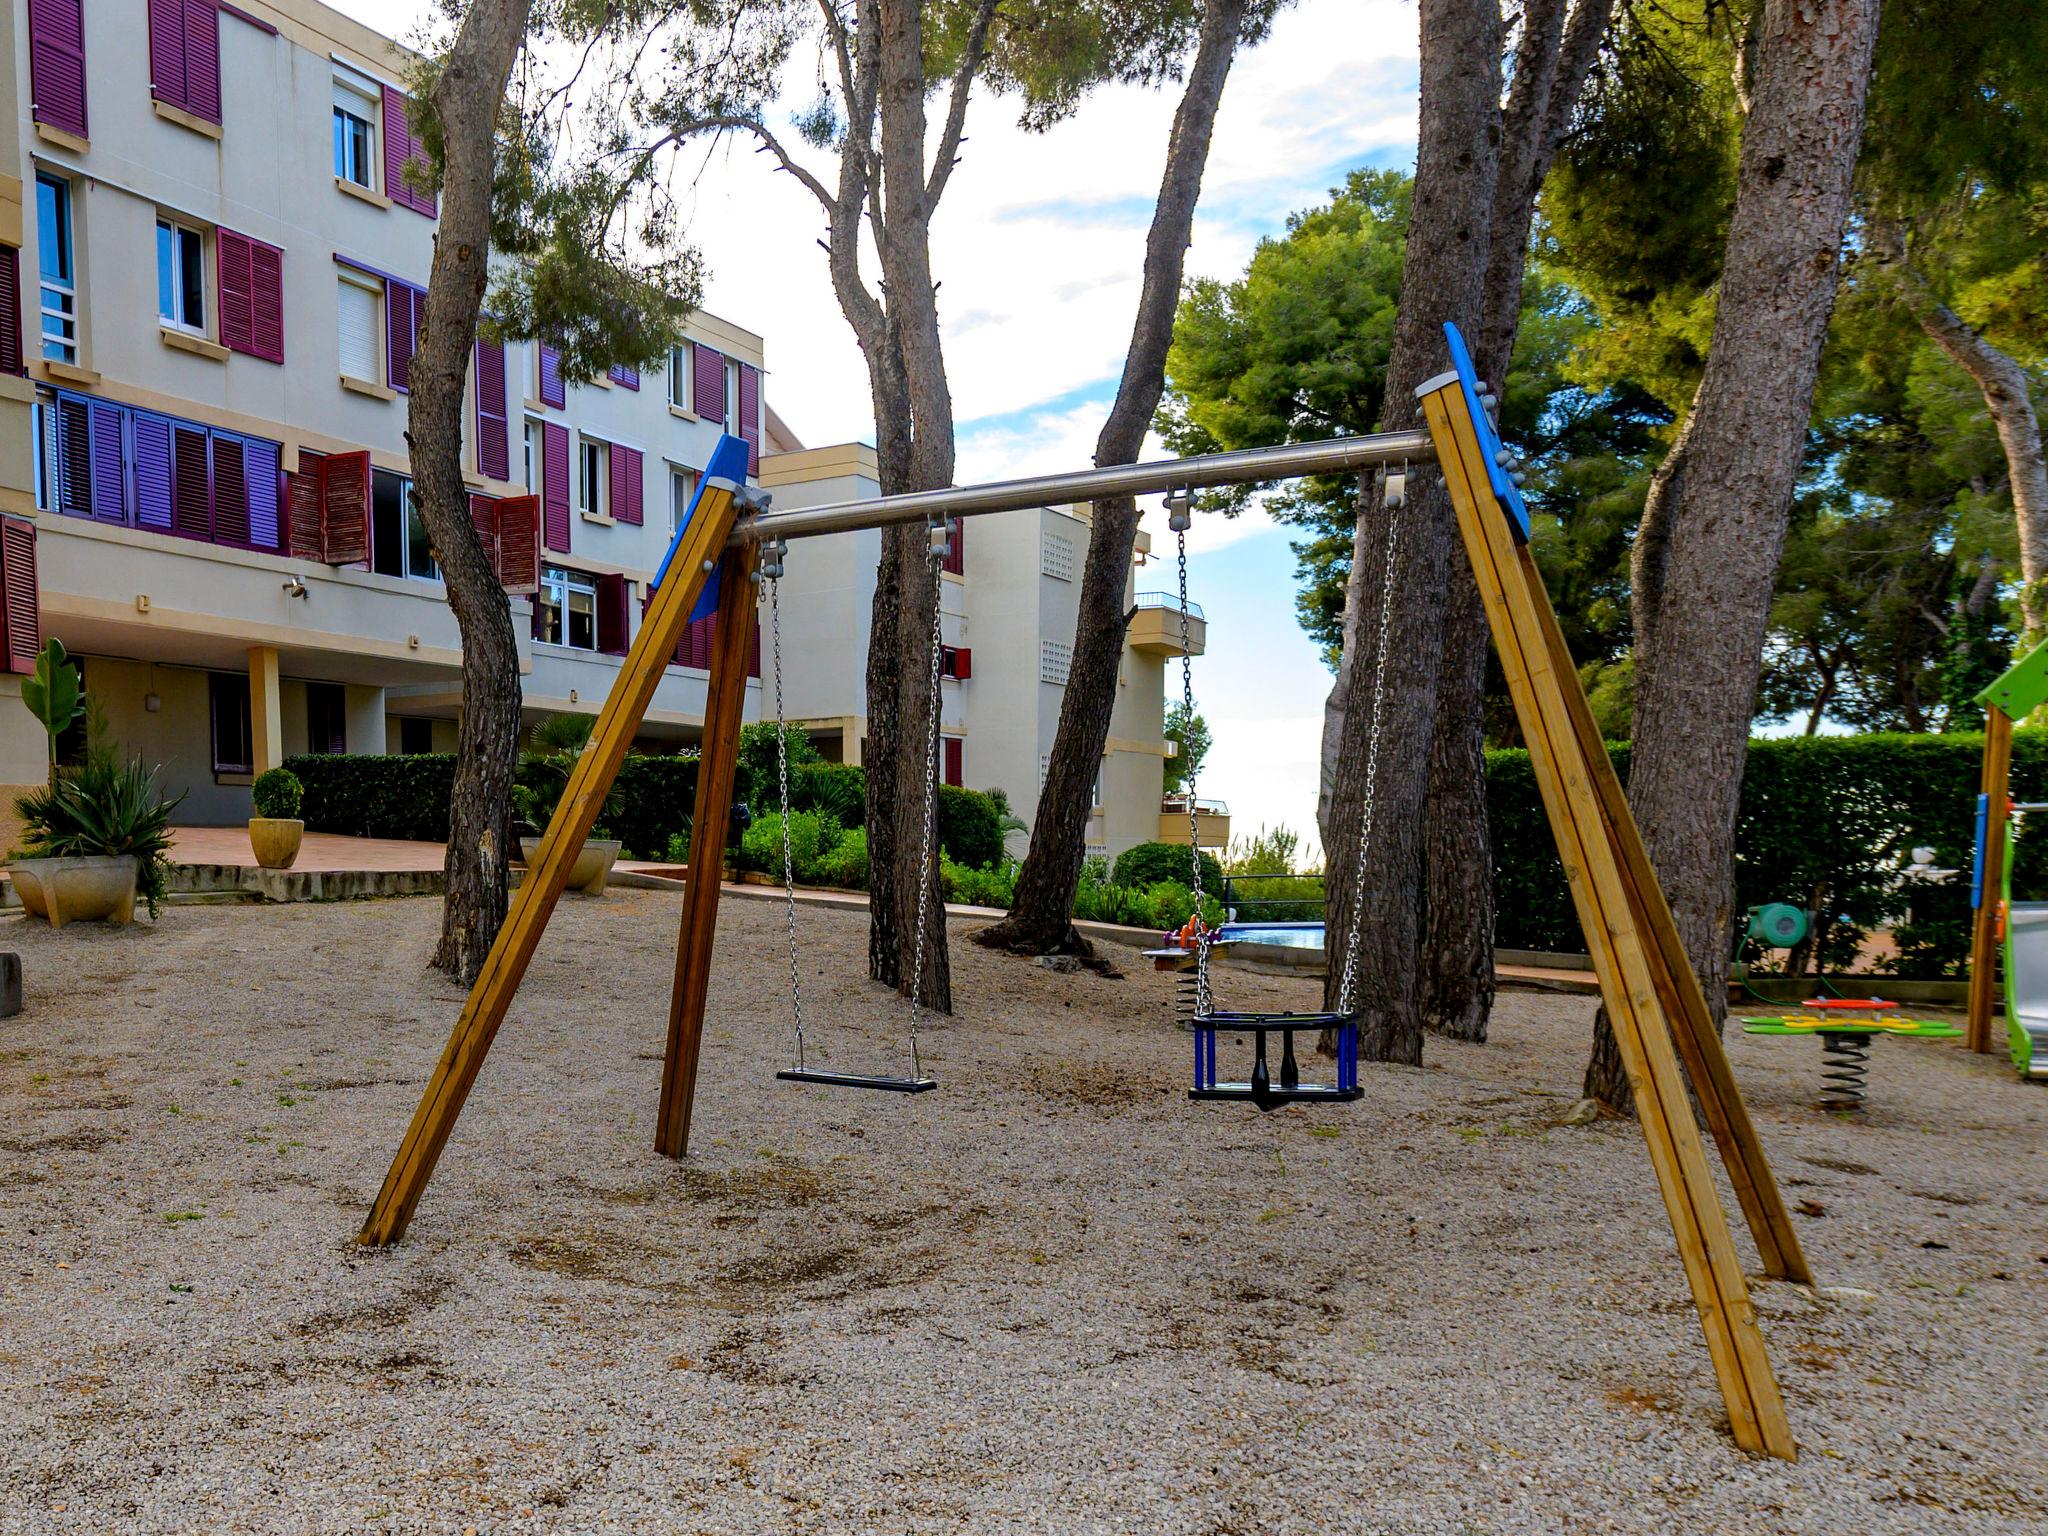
x=970, y=829
x=846, y=865
x=995, y=886
x=811, y=837
x=277, y=793
x=1146, y=864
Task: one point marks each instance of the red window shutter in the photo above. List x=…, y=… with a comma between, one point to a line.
x=483, y=517
x=266, y=302
x=963, y=663
x=402, y=306
x=955, y=752
x=956, y=546
x=550, y=381
x=345, y=508
x=191, y=483
x=231, y=259
x=750, y=415
x=56, y=63
x=202, y=59
x=10, y=310
x=614, y=626
x=628, y=485
x=302, y=502
x=167, y=51
x=707, y=388
x=230, y=492
x=493, y=429
x=20, y=612
x=554, y=456
x=519, y=544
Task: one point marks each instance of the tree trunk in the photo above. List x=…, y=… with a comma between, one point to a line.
x=1552, y=58
x=1039, y=921
x=1715, y=524
x=1375, y=944
x=466, y=98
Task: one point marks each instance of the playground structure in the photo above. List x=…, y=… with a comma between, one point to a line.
x=2007, y=937
x=1846, y=1027
x=1653, y=999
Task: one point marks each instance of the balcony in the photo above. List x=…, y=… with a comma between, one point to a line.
x=1155, y=628
x=1212, y=821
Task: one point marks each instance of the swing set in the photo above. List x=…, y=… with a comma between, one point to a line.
x=729, y=542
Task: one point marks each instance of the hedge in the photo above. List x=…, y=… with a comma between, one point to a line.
x=1825, y=822
x=1144, y=864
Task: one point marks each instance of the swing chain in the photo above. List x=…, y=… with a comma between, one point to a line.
x=772, y=553
x=1396, y=505
x=1180, y=517
x=938, y=541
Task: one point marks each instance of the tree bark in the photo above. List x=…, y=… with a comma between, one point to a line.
x=1443, y=278
x=1039, y=921
x=1704, y=567
x=1552, y=58
x=466, y=98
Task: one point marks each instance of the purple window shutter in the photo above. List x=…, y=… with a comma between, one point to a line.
x=74, y=456
x=493, y=430
x=152, y=471
x=260, y=462
x=56, y=63
x=109, y=483
x=750, y=415
x=266, y=302
x=10, y=311
x=167, y=50
x=397, y=148
x=707, y=388
x=554, y=441
x=624, y=377
x=401, y=331
x=628, y=484
x=231, y=266
x=202, y=59
x=230, y=492
x=551, y=392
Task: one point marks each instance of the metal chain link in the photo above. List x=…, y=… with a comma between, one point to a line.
x=1348, y=987
x=796, y=990
x=1187, y=699
x=935, y=556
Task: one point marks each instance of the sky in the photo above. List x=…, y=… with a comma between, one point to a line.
x=1038, y=248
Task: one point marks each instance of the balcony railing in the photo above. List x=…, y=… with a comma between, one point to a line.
x=1167, y=600
x=1202, y=807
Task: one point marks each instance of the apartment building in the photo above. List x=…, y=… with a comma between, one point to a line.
x=222, y=263
x=1009, y=599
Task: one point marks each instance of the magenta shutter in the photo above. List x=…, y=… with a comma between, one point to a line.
x=20, y=607
x=230, y=493
x=750, y=415
x=202, y=59
x=624, y=377
x=231, y=262
x=56, y=63
x=191, y=483
x=493, y=430
x=400, y=146
x=10, y=310
x=266, y=302
x=614, y=624
x=628, y=484
x=402, y=305
x=554, y=455
x=167, y=50
x=551, y=392
x=707, y=389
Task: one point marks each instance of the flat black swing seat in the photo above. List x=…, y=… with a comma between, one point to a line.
x=857, y=1080
x=1262, y=1089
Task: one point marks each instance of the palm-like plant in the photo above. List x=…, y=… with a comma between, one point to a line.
x=106, y=809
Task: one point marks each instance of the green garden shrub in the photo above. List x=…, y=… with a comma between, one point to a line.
x=970, y=828
x=840, y=790
x=757, y=782
x=1146, y=864
x=277, y=793
x=811, y=837
x=994, y=886
x=846, y=865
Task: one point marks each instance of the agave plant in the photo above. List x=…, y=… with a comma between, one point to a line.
x=106, y=809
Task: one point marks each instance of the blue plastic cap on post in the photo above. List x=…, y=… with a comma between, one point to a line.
x=1977, y=862
x=729, y=463
x=1505, y=491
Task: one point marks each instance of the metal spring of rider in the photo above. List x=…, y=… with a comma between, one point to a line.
x=1845, y=1070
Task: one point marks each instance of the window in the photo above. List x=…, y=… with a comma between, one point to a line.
x=234, y=748
x=530, y=471
x=681, y=362
x=732, y=396
x=954, y=770
x=355, y=141
x=59, y=282
x=181, y=276
x=415, y=736
x=682, y=487
x=590, y=476
x=566, y=609
x=326, y=717
x=398, y=539
x=360, y=331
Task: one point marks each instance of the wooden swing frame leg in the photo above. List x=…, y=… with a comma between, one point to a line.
x=1636, y=951
x=583, y=797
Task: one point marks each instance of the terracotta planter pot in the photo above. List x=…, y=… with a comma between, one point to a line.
x=592, y=868
x=276, y=840
x=78, y=890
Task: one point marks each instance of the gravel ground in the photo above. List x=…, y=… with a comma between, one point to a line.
x=1052, y=1297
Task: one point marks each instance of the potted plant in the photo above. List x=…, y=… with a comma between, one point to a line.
x=95, y=839
x=533, y=807
x=275, y=831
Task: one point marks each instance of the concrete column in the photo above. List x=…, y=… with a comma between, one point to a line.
x=266, y=725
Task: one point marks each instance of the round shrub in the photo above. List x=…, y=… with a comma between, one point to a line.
x=846, y=864
x=811, y=836
x=970, y=830
x=278, y=794
x=1146, y=864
